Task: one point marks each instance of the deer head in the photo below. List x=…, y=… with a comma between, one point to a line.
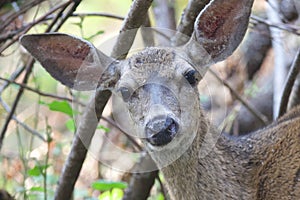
x=157, y=85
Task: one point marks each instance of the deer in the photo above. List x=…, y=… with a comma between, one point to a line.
x=158, y=87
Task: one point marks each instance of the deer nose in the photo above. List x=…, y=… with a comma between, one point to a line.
x=161, y=131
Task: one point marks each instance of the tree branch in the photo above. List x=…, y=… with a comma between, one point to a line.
x=98, y=14
x=141, y=182
x=280, y=71
x=255, y=112
x=89, y=123
x=285, y=27
x=186, y=25
x=294, y=71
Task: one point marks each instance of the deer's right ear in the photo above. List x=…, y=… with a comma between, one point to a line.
x=74, y=62
x=219, y=29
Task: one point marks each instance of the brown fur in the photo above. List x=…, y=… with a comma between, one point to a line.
x=261, y=165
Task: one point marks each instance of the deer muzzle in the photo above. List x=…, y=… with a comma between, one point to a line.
x=161, y=130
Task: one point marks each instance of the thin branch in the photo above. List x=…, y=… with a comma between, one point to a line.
x=15, y=15
x=63, y=18
x=13, y=77
x=130, y=138
x=30, y=25
x=16, y=101
x=255, y=112
x=29, y=67
x=70, y=100
x=294, y=71
x=30, y=130
x=285, y=27
x=41, y=93
x=98, y=14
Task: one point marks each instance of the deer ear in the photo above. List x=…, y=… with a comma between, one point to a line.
x=74, y=62
x=220, y=27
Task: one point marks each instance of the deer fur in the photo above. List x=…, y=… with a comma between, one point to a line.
x=159, y=90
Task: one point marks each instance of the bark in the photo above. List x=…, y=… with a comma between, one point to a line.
x=141, y=183
x=164, y=14
x=280, y=71
x=87, y=128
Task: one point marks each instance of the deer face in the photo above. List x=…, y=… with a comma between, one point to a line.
x=158, y=88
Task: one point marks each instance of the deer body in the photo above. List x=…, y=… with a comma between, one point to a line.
x=249, y=167
x=158, y=87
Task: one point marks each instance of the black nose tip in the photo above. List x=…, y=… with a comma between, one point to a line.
x=160, y=132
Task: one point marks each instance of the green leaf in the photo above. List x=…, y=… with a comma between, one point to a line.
x=117, y=194
x=37, y=189
x=61, y=106
x=160, y=197
x=94, y=35
x=105, y=129
x=105, y=196
x=104, y=185
x=70, y=124
x=37, y=170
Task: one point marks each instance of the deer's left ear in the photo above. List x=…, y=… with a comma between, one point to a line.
x=74, y=62
x=220, y=28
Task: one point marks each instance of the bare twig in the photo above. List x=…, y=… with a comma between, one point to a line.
x=30, y=130
x=69, y=100
x=285, y=27
x=16, y=101
x=13, y=16
x=294, y=71
x=255, y=112
x=30, y=25
x=98, y=14
x=9, y=35
x=131, y=139
x=13, y=77
x=29, y=67
x=42, y=93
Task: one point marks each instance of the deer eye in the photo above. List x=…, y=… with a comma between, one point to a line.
x=126, y=93
x=192, y=76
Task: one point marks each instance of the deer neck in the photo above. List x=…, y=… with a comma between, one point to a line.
x=206, y=170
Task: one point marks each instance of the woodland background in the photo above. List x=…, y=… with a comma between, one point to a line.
x=36, y=112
